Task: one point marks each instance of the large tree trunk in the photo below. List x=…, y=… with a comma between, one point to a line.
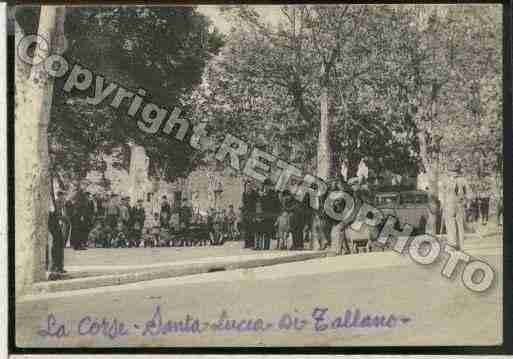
x=138, y=173
x=336, y=165
x=32, y=111
x=324, y=151
x=431, y=165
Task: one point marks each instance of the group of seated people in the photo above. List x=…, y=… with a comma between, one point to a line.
x=124, y=226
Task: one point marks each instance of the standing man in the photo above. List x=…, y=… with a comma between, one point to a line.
x=138, y=217
x=500, y=210
x=249, y=198
x=340, y=230
x=484, y=207
x=89, y=217
x=165, y=212
x=433, y=207
x=457, y=191
x=259, y=220
x=271, y=211
x=231, y=218
x=57, y=221
x=76, y=209
x=124, y=214
x=112, y=211
x=186, y=213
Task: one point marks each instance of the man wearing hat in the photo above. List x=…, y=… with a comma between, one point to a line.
x=249, y=197
x=457, y=191
x=55, y=251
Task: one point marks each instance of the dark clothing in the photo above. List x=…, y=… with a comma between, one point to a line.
x=484, y=207
x=271, y=210
x=186, y=215
x=166, y=208
x=55, y=249
x=77, y=213
x=137, y=217
x=98, y=208
x=165, y=214
x=301, y=217
x=248, y=217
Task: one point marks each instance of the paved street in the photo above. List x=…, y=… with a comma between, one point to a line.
x=436, y=311
x=143, y=256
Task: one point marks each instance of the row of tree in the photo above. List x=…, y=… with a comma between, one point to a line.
x=402, y=87
x=377, y=83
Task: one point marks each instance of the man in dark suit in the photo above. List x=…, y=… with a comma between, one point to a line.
x=137, y=221
x=89, y=216
x=56, y=226
x=248, y=214
x=78, y=210
x=271, y=210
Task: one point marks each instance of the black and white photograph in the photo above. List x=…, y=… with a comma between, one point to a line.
x=257, y=176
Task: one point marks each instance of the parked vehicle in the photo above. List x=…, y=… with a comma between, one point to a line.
x=409, y=207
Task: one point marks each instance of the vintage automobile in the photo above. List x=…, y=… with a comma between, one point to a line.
x=411, y=207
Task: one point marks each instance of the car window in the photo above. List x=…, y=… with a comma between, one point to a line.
x=386, y=200
x=422, y=198
x=407, y=198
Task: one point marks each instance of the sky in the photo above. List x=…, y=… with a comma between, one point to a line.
x=269, y=13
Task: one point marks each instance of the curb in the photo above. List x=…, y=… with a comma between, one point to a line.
x=165, y=272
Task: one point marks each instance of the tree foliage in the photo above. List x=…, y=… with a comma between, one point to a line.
x=162, y=50
x=267, y=84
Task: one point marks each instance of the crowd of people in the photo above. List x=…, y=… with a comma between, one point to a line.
x=477, y=209
x=88, y=220
x=276, y=220
x=266, y=220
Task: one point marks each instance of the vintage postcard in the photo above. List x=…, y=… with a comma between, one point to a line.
x=257, y=176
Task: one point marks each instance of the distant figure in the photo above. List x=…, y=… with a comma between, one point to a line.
x=500, y=210
x=112, y=211
x=185, y=214
x=210, y=224
x=457, y=190
x=283, y=226
x=120, y=239
x=148, y=239
x=125, y=211
x=75, y=209
x=231, y=218
x=259, y=221
x=138, y=216
x=155, y=229
x=249, y=198
x=165, y=212
x=174, y=220
x=57, y=221
x=271, y=211
x=433, y=207
x=484, y=208
x=96, y=235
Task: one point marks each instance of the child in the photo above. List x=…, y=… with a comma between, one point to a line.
x=165, y=237
x=95, y=236
x=148, y=238
x=283, y=224
x=174, y=221
x=135, y=236
x=120, y=240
